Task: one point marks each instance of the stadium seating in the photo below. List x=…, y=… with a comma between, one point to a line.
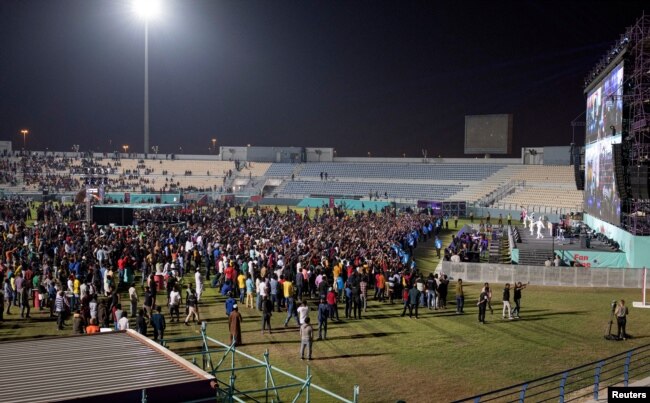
x=460, y=172
x=361, y=189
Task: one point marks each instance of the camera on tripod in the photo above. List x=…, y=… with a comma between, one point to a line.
x=608, y=334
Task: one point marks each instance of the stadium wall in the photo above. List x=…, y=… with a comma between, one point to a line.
x=542, y=275
x=557, y=155
x=637, y=248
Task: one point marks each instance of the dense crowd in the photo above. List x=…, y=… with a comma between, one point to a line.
x=270, y=260
x=58, y=172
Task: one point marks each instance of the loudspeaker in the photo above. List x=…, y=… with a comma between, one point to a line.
x=619, y=171
x=577, y=172
x=639, y=182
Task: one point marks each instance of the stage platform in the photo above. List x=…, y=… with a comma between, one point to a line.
x=121, y=214
x=534, y=251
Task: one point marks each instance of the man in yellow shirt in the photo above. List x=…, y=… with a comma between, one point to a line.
x=288, y=288
x=241, y=283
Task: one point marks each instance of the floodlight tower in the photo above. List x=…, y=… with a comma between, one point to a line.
x=147, y=10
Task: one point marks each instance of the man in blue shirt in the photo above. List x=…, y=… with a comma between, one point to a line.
x=323, y=314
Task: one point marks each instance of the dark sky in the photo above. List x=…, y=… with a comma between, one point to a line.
x=389, y=77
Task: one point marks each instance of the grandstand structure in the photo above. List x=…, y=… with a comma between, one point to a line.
x=499, y=184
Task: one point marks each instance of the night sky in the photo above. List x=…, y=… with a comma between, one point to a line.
x=389, y=77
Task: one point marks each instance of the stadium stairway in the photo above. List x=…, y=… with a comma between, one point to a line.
x=537, y=251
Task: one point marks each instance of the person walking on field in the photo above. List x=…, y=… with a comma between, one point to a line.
x=506, y=302
x=192, y=307
x=306, y=339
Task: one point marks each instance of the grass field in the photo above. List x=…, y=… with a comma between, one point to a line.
x=439, y=357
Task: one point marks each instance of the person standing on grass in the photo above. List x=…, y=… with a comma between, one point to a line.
x=518, y=287
x=621, y=319
x=303, y=312
x=198, y=279
x=306, y=339
x=331, y=302
x=460, y=297
x=234, y=325
x=158, y=324
x=414, y=300
x=174, y=305
x=363, y=293
x=133, y=298
x=148, y=301
x=267, y=312
x=506, y=302
x=241, y=283
x=9, y=295
x=323, y=314
x=250, y=291
x=61, y=307
x=25, y=292
x=483, y=300
x=486, y=288
x=141, y=323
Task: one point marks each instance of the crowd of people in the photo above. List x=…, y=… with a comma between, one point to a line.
x=258, y=258
x=59, y=172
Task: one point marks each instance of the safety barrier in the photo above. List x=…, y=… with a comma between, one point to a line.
x=543, y=275
x=579, y=383
x=262, y=382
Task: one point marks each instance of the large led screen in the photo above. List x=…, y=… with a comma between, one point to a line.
x=605, y=107
x=601, y=196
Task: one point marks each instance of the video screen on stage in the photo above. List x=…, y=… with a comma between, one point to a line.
x=605, y=107
x=601, y=195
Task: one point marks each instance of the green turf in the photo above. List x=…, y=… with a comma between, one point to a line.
x=439, y=357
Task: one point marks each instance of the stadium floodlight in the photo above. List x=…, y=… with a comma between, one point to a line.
x=147, y=9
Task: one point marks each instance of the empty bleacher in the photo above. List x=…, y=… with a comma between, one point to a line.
x=280, y=170
x=361, y=189
x=427, y=172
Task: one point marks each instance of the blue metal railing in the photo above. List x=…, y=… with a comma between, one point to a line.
x=575, y=383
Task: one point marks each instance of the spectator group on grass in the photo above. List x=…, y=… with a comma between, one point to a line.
x=259, y=258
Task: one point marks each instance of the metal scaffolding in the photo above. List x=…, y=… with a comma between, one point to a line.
x=636, y=130
x=227, y=363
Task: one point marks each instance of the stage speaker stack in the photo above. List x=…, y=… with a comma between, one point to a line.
x=579, y=174
x=619, y=171
x=639, y=182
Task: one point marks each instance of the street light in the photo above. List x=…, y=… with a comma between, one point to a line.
x=214, y=145
x=147, y=10
x=126, y=148
x=24, y=132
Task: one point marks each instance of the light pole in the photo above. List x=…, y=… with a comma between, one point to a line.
x=146, y=9
x=125, y=147
x=24, y=132
x=214, y=145
x=155, y=150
